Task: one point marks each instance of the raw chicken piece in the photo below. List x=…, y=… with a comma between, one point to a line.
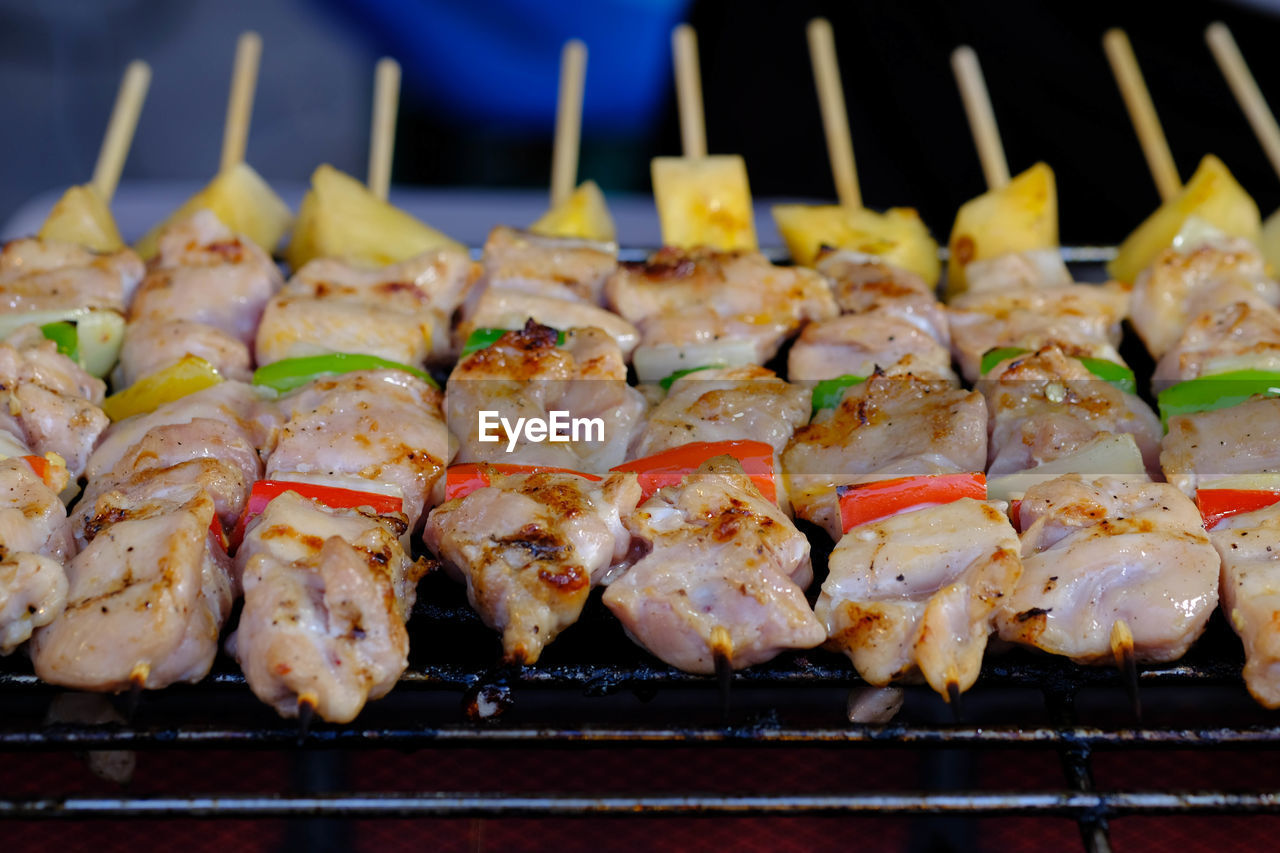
x=1242, y=335
x=889, y=426
x=1099, y=550
x=1081, y=319
x=863, y=284
x=35, y=541
x=679, y=298
x=725, y=404
x=917, y=591
x=326, y=595
x=509, y=308
x=381, y=427
x=856, y=344
x=1046, y=405
x=205, y=277
x=527, y=375
x=558, y=267
x=1208, y=446
x=43, y=275
x=400, y=312
x=531, y=547
x=52, y=404
x=1182, y=285
x=147, y=599
x=1249, y=545
x=724, y=577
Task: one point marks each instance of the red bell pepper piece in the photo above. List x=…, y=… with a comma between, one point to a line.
x=41, y=467
x=867, y=502
x=670, y=467
x=265, y=491
x=461, y=480
x=1217, y=504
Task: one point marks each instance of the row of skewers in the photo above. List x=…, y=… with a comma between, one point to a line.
x=287, y=441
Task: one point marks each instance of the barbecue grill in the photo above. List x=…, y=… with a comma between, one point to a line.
x=593, y=688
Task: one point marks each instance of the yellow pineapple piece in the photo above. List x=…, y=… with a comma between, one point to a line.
x=340, y=218
x=242, y=200
x=1019, y=217
x=704, y=201
x=583, y=215
x=898, y=235
x=82, y=217
x=1212, y=194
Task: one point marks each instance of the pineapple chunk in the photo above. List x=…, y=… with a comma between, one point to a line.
x=583, y=215
x=1212, y=194
x=898, y=235
x=704, y=201
x=340, y=218
x=82, y=217
x=242, y=200
x=1015, y=218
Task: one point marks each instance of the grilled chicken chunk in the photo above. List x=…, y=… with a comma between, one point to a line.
x=531, y=547
x=1209, y=446
x=35, y=541
x=400, y=312
x=1081, y=319
x=511, y=308
x=724, y=576
x=1242, y=335
x=1182, y=285
x=1249, y=545
x=889, y=426
x=213, y=283
x=526, y=374
x=725, y=404
x=51, y=403
x=1096, y=551
x=42, y=275
x=863, y=284
x=1046, y=405
x=856, y=344
x=681, y=298
x=381, y=427
x=558, y=267
x=326, y=595
x=1035, y=268
x=917, y=591
x=147, y=598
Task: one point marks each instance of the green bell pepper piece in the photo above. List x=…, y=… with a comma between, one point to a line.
x=828, y=393
x=1108, y=371
x=670, y=380
x=1217, y=391
x=293, y=373
x=64, y=335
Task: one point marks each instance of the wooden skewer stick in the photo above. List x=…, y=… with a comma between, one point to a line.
x=1246, y=90
x=564, y=155
x=244, y=80
x=835, y=118
x=982, y=119
x=382, y=133
x=693, y=129
x=124, y=121
x=1142, y=112
x=1127, y=662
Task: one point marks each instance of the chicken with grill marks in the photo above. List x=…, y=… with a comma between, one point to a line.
x=1080, y=319
x=400, y=312
x=724, y=576
x=1097, y=551
x=1205, y=447
x=531, y=547
x=43, y=275
x=1183, y=285
x=1239, y=336
x=1046, y=405
x=35, y=541
x=917, y=592
x=1249, y=545
x=684, y=300
x=326, y=595
x=366, y=430
x=557, y=267
x=527, y=374
x=896, y=425
x=856, y=344
x=863, y=284
x=50, y=403
x=212, y=285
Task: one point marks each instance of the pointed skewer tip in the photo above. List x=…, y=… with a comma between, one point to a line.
x=306, y=713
